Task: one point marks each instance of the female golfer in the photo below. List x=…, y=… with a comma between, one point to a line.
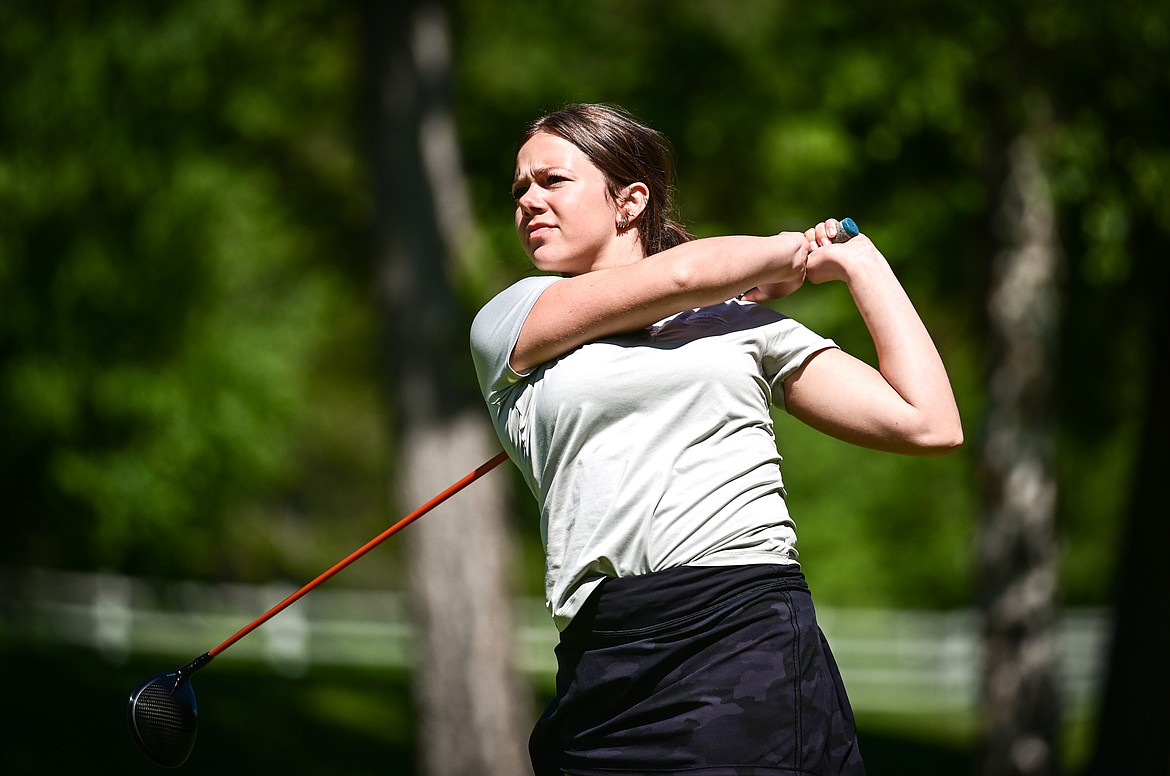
x=631, y=385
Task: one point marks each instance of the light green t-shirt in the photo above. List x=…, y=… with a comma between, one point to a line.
x=649, y=450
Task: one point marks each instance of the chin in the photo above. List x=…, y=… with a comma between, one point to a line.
x=546, y=263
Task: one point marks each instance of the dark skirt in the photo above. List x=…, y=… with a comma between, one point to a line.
x=708, y=671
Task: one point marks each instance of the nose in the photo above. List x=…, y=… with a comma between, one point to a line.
x=530, y=201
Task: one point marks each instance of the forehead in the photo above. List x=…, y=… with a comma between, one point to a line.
x=543, y=151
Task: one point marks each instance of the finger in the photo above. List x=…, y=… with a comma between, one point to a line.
x=832, y=229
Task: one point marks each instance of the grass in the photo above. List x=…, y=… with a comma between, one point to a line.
x=65, y=712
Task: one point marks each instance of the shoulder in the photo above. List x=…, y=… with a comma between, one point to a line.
x=523, y=290
x=497, y=325
x=515, y=300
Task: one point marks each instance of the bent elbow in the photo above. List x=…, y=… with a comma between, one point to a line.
x=941, y=441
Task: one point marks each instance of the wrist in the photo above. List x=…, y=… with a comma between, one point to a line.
x=864, y=267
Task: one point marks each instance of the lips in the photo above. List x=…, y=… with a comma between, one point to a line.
x=538, y=230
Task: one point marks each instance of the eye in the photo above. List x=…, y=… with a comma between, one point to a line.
x=543, y=180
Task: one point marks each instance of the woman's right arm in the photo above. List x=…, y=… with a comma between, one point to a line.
x=583, y=308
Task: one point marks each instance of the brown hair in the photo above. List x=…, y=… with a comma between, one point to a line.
x=626, y=151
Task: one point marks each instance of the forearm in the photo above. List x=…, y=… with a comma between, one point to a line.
x=907, y=356
x=714, y=269
x=596, y=304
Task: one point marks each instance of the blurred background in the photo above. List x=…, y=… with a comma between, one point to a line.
x=240, y=246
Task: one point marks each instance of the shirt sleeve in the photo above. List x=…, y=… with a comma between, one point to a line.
x=494, y=332
x=789, y=345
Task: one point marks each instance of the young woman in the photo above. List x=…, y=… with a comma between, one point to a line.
x=632, y=386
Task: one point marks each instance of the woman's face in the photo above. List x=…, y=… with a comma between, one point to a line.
x=565, y=217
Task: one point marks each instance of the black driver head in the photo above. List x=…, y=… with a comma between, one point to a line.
x=163, y=718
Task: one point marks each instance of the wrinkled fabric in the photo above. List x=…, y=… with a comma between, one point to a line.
x=703, y=671
x=651, y=449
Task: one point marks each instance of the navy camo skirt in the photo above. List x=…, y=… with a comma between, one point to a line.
x=707, y=671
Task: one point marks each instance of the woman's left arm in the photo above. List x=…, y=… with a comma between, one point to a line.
x=906, y=405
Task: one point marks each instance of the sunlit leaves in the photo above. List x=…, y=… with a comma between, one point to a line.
x=181, y=191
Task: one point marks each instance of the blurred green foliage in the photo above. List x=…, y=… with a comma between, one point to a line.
x=186, y=344
x=189, y=346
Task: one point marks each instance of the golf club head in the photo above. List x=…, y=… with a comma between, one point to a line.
x=163, y=718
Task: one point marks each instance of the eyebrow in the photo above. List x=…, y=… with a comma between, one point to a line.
x=539, y=171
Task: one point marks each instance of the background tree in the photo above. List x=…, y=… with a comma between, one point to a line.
x=1117, y=186
x=1132, y=733
x=470, y=704
x=1018, y=560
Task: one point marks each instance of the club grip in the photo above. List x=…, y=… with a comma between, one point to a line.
x=847, y=231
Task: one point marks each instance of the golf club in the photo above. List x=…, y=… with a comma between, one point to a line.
x=847, y=232
x=162, y=714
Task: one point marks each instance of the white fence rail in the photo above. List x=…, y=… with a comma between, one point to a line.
x=892, y=660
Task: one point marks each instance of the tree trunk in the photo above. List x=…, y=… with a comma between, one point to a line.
x=1133, y=727
x=468, y=696
x=1018, y=550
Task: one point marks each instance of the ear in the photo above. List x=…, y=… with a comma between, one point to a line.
x=633, y=200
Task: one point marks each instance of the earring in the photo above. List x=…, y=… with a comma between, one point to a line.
x=624, y=221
